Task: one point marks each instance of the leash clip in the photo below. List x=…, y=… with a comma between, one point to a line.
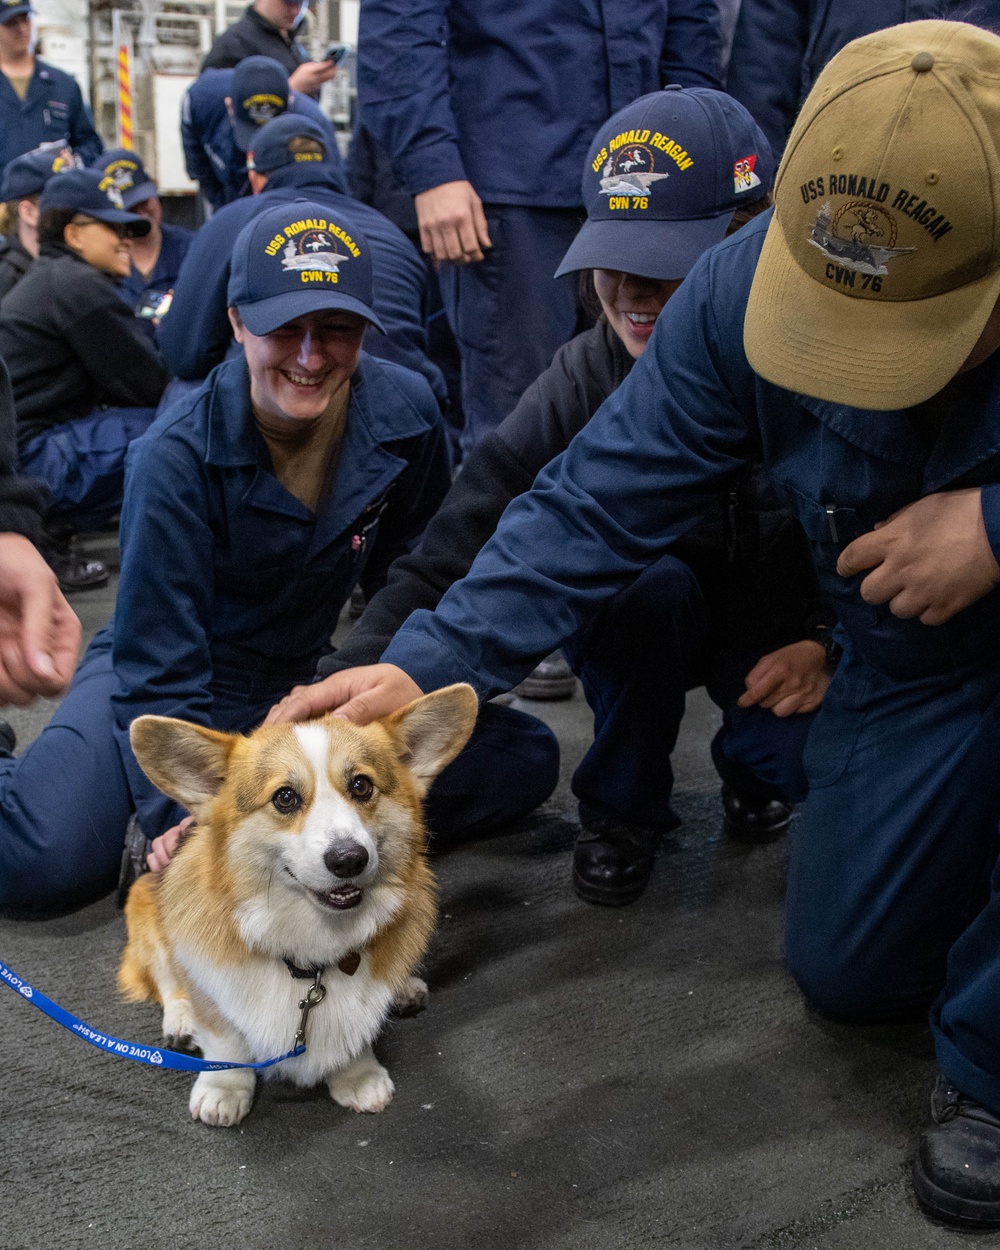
x=314, y=996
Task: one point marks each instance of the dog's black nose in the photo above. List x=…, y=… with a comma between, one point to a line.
x=346, y=859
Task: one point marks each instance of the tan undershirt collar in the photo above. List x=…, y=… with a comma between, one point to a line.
x=20, y=85
x=305, y=456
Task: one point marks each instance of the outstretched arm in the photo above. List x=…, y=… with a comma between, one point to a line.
x=650, y=464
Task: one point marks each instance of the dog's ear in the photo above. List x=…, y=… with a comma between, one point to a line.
x=187, y=762
x=434, y=729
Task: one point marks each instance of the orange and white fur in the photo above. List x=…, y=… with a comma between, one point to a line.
x=308, y=846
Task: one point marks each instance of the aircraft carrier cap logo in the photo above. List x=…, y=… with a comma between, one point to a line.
x=313, y=249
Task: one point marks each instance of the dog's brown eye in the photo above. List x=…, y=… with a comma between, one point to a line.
x=362, y=787
x=286, y=800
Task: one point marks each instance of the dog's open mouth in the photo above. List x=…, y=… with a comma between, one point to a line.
x=342, y=898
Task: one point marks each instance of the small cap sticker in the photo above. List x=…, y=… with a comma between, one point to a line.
x=744, y=178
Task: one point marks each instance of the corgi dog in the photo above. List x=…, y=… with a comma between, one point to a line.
x=303, y=877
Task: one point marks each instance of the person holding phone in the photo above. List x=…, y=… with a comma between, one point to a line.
x=271, y=28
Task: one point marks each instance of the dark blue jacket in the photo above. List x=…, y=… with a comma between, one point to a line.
x=509, y=96
x=652, y=459
x=135, y=288
x=210, y=152
x=195, y=334
x=228, y=582
x=780, y=46
x=52, y=109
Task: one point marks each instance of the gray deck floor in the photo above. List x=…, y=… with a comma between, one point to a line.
x=584, y=1077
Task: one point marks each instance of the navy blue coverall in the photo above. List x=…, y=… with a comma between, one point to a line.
x=210, y=152
x=509, y=98
x=52, y=109
x=136, y=290
x=893, y=889
x=196, y=334
x=780, y=46
x=230, y=589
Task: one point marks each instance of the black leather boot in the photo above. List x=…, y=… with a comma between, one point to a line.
x=754, y=820
x=549, y=681
x=956, y=1174
x=73, y=570
x=613, y=860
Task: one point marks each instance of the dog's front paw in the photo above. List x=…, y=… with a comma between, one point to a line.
x=411, y=999
x=179, y=1027
x=221, y=1103
x=363, y=1085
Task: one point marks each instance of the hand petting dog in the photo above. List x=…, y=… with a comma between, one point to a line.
x=359, y=695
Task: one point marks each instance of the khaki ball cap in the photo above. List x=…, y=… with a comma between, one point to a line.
x=881, y=264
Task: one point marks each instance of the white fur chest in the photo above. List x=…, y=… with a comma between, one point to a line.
x=260, y=1000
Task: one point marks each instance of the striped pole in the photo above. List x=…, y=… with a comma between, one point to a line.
x=123, y=74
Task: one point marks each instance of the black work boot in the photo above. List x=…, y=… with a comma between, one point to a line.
x=956, y=1173
x=549, y=681
x=754, y=820
x=137, y=847
x=613, y=860
x=74, y=571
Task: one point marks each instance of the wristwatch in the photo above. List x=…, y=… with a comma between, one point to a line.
x=823, y=634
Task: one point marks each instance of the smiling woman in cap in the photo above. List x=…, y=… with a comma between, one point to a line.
x=86, y=376
x=252, y=508
x=665, y=178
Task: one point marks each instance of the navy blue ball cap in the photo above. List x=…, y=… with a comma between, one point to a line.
x=297, y=258
x=9, y=9
x=663, y=179
x=259, y=92
x=27, y=175
x=270, y=148
x=93, y=193
x=129, y=174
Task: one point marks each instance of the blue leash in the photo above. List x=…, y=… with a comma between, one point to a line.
x=150, y=1055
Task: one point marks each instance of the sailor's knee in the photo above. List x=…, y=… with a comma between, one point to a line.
x=853, y=988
